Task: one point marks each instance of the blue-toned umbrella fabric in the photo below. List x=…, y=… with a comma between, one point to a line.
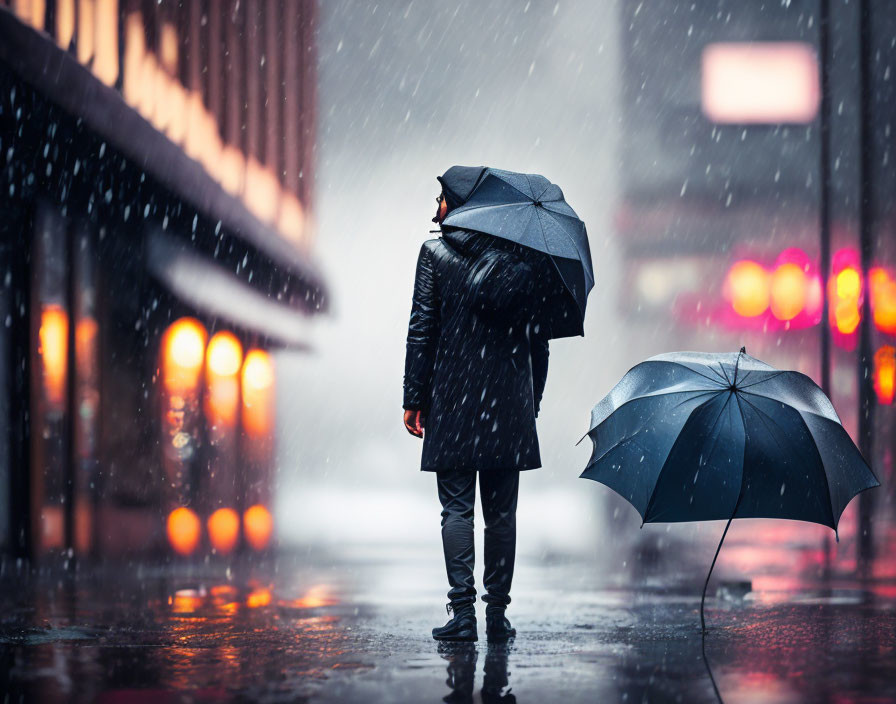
x=531, y=211
x=693, y=436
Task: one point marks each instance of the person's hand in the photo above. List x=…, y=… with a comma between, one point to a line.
x=413, y=422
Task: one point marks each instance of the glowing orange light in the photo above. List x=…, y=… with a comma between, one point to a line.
x=883, y=299
x=224, y=358
x=258, y=526
x=223, y=529
x=885, y=374
x=789, y=291
x=183, y=348
x=258, y=597
x=258, y=392
x=53, y=352
x=186, y=601
x=747, y=288
x=845, y=293
x=183, y=530
x=224, y=354
x=315, y=598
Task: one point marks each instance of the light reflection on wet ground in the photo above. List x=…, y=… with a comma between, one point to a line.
x=357, y=630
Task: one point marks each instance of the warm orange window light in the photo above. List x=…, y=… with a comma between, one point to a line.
x=86, y=27
x=65, y=22
x=258, y=526
x=54, y=353
x=183, y=351
x=845, y=290
x=105, y=61
x=258, y=392
x=885, y=374
x=747, y=288
x=223, y=359
x=224, y=529
x=225, y=354
x=184, y=530
x=883, y=299
x=789, y=291
x=760, y=82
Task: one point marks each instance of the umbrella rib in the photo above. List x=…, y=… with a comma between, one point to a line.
x=640, y=398
x=821, y=461
x=655, y=395
x=466, y=209
x=724, y=373
x=565, y=234
x=777, y=400
x=824, y=472
x=656, y=483
x=768, y=378
x=512, y=186
x=766, y=415
x=691, y=369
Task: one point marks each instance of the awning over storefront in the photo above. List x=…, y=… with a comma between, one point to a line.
x=36, y=60
x=201, y=283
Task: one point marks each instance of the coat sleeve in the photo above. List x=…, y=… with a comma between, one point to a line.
x=423, y=336
x=538, y=348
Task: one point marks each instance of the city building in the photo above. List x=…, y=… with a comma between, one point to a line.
x=156, y=161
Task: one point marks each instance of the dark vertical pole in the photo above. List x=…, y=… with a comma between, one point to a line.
x=69, y=455
x=824, y=212
x=253, y=75
x=824, y=206
x=272, y=145
x=235, y=71
x=866, y=391
x=19, y=379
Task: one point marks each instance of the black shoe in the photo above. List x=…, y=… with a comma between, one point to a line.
x=461, y=627
x=497, y=627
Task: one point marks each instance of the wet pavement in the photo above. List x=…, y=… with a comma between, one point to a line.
x=355, y=629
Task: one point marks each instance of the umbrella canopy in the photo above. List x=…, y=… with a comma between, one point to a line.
x=693, y=436
x=531, y=211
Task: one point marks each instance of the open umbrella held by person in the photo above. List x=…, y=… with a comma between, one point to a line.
x=511, y=270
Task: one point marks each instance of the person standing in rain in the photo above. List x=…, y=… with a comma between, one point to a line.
x=475, y=370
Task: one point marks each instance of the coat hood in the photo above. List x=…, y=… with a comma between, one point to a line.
x=458, y=183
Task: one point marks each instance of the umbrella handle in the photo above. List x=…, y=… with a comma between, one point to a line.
x=709, y=574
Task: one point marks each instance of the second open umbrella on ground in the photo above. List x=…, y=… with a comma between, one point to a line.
x=694, y=436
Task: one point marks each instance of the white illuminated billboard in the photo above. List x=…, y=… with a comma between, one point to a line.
x=760, y=82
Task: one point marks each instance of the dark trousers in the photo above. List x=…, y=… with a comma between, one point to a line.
x=498, y=490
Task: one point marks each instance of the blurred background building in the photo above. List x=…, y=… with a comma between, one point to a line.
x=737, y=175
x=157, y=246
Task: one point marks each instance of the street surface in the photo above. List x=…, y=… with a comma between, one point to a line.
x=355, y=628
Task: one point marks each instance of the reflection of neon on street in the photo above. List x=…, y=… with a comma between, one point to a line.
x=258, y=597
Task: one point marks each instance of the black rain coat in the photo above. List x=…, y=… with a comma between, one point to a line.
x=477, y=353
